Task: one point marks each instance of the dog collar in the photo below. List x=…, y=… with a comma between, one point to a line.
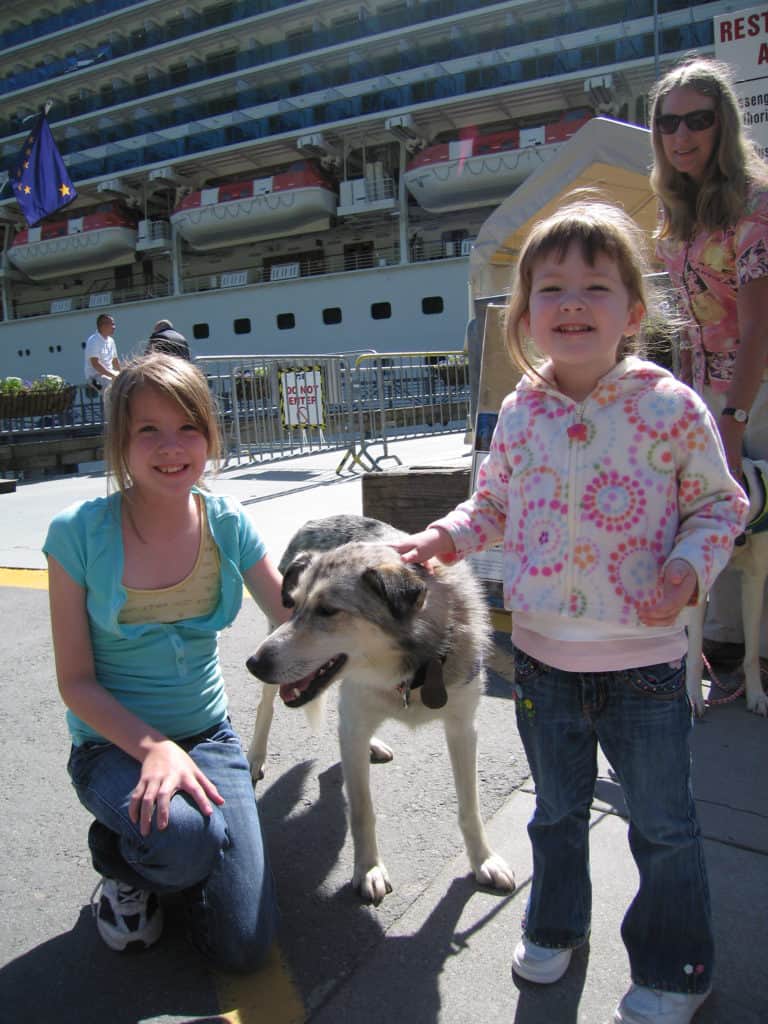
x=429, y=678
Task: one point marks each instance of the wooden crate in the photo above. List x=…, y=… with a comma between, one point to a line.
x=411, y=497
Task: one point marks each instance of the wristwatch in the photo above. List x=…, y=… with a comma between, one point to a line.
x=740, y=415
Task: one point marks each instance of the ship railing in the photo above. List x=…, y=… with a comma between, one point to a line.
x=156, y=288
x=337, y=263
x=401, y=395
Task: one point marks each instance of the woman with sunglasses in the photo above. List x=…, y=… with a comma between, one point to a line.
x=712, y=187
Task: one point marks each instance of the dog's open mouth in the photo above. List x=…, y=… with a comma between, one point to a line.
x=295, y=695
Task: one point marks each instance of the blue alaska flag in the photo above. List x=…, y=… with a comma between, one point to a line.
x=39, y=178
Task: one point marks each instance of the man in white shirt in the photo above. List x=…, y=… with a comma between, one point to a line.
x=101, y=362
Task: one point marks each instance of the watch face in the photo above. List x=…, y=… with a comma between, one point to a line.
x=740, y=415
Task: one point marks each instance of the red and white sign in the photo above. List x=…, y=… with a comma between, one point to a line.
x=301, y=398
x=741, y=41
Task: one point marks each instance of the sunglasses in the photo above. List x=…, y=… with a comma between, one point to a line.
x=695, y=121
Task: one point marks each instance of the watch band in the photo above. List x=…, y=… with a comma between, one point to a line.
x=740, y=415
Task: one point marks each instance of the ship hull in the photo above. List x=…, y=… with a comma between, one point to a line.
x=26, y=348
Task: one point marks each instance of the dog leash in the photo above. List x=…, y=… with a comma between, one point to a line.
x=715, y=681
x=730, y=696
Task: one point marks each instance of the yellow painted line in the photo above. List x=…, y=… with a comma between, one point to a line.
x=32, y=579
x=268, y=995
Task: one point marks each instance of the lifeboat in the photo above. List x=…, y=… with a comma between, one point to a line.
x=104, y=238
x=291, y=203
x=482, y=169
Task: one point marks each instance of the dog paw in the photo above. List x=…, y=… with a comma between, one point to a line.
x=758, y=704
x=257, y=771
x=380, y=753
x=699, y=706
x=495, y=873
x=374, y=885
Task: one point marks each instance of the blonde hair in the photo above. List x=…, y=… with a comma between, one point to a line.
x=176, y=379
x=597, y=227
x=719, y=200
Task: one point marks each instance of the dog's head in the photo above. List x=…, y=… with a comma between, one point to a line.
x=352, y=606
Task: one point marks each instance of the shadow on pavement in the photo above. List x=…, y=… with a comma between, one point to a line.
x=74, y=977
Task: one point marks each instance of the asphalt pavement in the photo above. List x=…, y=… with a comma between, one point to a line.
x=437, y=950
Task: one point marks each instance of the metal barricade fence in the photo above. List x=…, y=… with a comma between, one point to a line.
x=273, y=406
x=400, y=395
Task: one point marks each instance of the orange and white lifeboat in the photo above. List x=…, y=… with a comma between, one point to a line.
x=291, y=203
x=59, y=246
x=482, y=169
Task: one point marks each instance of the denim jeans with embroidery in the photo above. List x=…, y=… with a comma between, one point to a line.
x=642, y=719
x=219, y=863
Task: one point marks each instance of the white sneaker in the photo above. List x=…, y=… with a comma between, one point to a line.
x=538, y=963
x=642, y=1005
x=126, y=916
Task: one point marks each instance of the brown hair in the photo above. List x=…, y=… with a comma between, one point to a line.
x=597, y=227
x=719, y=200
x=176, y=379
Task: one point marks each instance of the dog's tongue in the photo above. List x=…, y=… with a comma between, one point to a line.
x=290, y=691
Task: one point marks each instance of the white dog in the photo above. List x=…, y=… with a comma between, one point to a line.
x=750, y=559
x=403, y=643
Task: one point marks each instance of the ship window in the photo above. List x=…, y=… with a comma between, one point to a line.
x=285, y=321
x=332, y=315
x=242, y=325
x=381, y=310
x=221, y=63
x=201, y=331
x=178, y=74
x=432, y=304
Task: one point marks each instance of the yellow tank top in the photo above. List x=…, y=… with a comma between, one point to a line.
x=190, y=598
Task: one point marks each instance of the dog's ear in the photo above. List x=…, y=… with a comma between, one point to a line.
x=400, y=587
x=291, y=578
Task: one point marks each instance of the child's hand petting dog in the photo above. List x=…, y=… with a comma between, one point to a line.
x=430, y=543
x=679, y=585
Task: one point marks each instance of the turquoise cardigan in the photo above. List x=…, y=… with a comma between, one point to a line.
x=166, y=673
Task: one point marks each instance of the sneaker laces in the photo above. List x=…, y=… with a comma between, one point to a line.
x=126, y=899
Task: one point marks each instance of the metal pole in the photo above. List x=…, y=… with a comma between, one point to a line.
x=656, y=39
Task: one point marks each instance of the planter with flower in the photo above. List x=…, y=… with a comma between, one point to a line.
x=44, y=396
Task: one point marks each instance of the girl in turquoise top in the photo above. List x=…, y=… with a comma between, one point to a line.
x=140, y=583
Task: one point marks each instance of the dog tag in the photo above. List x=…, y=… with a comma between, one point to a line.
x=433, y=693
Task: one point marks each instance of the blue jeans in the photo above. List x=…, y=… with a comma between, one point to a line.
x=642, y=719
x=219, y=863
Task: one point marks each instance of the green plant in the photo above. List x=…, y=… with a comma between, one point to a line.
x=46, y=383
x=11, y=386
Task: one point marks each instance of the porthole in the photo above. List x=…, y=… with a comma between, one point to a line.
x=381, y=310
x=432, y=304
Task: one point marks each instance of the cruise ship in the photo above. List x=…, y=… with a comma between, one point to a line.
x=294, y=176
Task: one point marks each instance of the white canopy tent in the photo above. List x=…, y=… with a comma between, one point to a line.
x=607, y=155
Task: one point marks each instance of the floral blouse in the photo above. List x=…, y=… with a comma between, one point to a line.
x=707, y=273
